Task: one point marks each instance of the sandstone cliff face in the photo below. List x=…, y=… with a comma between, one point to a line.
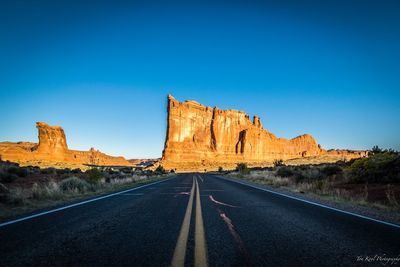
x=52, y=140
x=206, y=137
x=52, y=150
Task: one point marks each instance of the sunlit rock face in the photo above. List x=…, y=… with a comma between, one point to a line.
x=52, y=150
x=52, y=140
x=200, y=137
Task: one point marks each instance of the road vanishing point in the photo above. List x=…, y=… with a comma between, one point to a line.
x=196, y=219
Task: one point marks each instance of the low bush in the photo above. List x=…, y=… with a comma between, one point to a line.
x=6, y=177
x=284, y=172
x=76, y=171
x=74, y=185
x=3, y=192
x=331, y=170
x=48, y=171
x=20, y=172
x=48, y=191
x=16, y=196
x=378, y=168
x=220, y=169
x=94, y=175
x=242, y=168
x=63, y=171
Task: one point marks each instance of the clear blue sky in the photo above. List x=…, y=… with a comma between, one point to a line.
x=102, y=70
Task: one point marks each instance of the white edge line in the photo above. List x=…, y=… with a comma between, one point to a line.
x=313, y=203
x=79, y=203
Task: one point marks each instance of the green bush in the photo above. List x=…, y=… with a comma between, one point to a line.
x=20, y=172
x=284, y=172
x=331, y=170
x=6, y=177
x=63, y=171
x=242, y=168
x=74, y=184
x=76, y=171
x=48, y=171
x=299, y=177
x=94, y=175
x=378, y=168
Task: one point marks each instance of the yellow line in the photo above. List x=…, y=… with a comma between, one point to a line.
x=200, y=248
x=178, y=259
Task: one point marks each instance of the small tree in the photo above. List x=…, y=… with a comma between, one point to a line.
x=220, y=169
x=376, y=150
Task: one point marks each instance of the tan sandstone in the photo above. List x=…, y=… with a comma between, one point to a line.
x=52, y=151
x=205, y=138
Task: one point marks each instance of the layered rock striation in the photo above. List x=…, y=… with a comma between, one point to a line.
x=200, y=136
x=52, y=150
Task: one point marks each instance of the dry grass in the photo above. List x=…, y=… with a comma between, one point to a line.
x=312, y=180
x=21, y=200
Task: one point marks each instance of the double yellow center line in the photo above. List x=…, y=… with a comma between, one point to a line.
x=200, y=249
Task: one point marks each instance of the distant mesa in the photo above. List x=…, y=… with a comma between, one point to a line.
x=52, y=150
x=200, y=137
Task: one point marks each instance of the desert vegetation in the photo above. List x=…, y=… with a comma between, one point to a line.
x=26, y=188
x=370, y=181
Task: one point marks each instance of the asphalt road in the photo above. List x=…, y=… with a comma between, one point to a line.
x=198, y=219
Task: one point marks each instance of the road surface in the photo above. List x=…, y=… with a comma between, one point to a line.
x=197, y=220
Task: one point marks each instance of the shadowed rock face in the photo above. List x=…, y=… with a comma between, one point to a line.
x=52, y=150
x=204, y=137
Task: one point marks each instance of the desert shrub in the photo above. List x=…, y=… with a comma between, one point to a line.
x=94, y=175
x=74, y=185
x=47, y=191
x=20, y=172
x=242, y=168
x=299, y=177
x=3, y=192
x=313, y=174
x=278, y=162
x=160, y=170
x=331, y=170
x=172, y=171
x=307, y=174
x=48, y=171
x=6, y=177
x=391, y=197
x=284, y=171
x=320, y=186
x=378, y=168
x=220, y=169
x=16, y=196
x=62, y=171
x=76, y=171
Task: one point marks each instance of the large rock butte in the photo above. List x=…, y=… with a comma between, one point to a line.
x=52, y=150
x=200, y=137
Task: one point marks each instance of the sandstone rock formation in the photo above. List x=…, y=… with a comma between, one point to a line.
x=200, y=137
x=52, y=150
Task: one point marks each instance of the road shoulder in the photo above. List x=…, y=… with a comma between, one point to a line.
x=377, y=214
